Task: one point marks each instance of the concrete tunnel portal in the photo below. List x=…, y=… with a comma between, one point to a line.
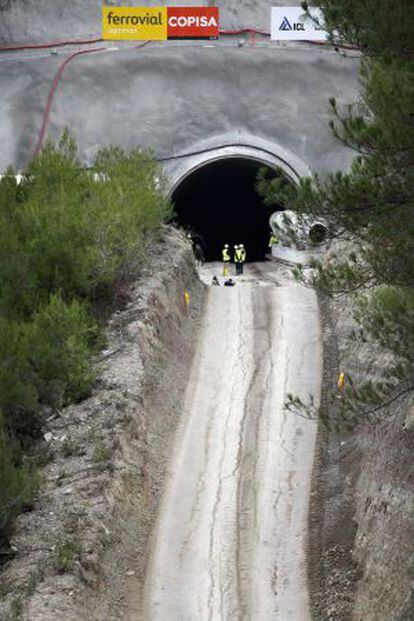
x=218, y=203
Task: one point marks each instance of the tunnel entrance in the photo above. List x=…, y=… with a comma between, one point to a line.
x=218, y=203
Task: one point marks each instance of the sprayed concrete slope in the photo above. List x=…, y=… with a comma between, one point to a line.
x=176, y=97
x=231, y=537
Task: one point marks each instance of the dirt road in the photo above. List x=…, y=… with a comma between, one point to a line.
x=231, y=537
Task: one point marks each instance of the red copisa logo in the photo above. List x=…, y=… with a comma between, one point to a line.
x=193, y=22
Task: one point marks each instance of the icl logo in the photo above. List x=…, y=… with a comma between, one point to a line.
x=286, y=25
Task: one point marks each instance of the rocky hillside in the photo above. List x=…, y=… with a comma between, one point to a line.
x=81, y=553
x=363, y=505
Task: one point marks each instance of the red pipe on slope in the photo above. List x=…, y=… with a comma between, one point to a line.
x=52, y=91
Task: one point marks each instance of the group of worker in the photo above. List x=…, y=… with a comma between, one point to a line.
x=239, y=259
x=239, y=254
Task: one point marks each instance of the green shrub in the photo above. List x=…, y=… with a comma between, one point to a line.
x=66, y=552
x=19, y=399
x=45, y=361
x=60, y=341
x=125, y=204
x=17, y=486
x=69, y=229
x=67, y=235
x=16, y=608
x=101, y=452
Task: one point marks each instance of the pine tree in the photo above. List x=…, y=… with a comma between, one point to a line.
x=370, y=208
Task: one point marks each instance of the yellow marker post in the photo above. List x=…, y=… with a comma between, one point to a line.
x=186, y=300
x=341, y=385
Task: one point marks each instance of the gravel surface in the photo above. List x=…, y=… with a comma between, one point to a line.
x=231, y=537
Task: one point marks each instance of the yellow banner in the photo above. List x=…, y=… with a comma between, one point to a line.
x=134, y=23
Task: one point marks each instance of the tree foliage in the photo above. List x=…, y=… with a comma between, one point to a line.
x=66, y=233
x=369, y=209
x=69, y=229
x=17, y=485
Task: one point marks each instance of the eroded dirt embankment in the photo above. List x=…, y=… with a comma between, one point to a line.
x=81, y=554
x=362, y=514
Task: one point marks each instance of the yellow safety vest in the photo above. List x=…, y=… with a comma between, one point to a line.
x=238, y=257
x=242, y=255
x=226, y=255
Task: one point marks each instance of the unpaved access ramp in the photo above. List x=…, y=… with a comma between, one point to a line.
x=231, y=537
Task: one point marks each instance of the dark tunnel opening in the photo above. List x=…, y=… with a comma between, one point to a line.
x=218, y=204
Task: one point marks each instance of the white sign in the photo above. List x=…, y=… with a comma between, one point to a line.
x=290, y=23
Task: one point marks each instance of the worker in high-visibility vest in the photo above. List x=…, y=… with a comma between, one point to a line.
x=226, y=259
x=242, y=255
x=237, y=258
x=273, y=240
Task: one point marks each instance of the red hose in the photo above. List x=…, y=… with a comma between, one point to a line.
x=52, y=91
x=55, y=83
x=42, y=46
x=61, y=68
x=244, y=31
x=267, y=34
x=239, y=31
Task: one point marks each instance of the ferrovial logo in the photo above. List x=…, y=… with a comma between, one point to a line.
x=292, y=24
x=160, y=23
x=134, y=23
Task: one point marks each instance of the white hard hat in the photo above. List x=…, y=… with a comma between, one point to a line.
x=226, y=245
x=236, y=246
x=241, y=246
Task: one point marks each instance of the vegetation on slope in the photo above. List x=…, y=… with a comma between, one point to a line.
x=68, y=235
x=371, y=206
